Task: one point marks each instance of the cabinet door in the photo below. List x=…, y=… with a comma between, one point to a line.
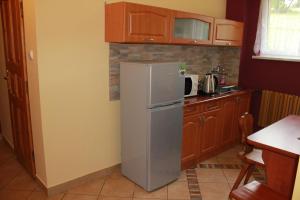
x=190, y=141
x=228, y=32
x=147, y=24
x=188, y=28
x=210, y=130
x=229, y=121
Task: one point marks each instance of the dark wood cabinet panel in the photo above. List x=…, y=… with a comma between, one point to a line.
x=210, y=131
x=228, y=32
x=148, y=24
x=211, y=126
x=229, y=121
x=135, y=23
x=189, y=142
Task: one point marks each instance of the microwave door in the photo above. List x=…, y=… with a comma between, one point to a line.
x=188, y=86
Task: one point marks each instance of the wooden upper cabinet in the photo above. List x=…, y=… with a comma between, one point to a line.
x=135, y=23
x=228, y=32
x=189, y=28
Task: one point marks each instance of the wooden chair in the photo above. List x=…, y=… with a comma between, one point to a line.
x=251, y=157
x=256, y=191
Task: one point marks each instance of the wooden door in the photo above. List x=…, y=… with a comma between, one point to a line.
x=228, y=32
x=12, y=22
x=210, y=131
x=229, y=121
x=147, y=24
x=190, y=142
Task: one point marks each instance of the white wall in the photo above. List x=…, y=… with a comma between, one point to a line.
x=79, y=129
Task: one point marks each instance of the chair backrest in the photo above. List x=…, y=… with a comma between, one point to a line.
x=246, y=126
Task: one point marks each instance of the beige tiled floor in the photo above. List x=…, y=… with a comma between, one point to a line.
x=16, y=184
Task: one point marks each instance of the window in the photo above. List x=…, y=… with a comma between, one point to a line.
x=278, y=32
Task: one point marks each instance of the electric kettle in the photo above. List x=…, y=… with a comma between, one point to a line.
x=210, y=83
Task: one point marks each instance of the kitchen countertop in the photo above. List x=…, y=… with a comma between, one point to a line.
x=200, y=99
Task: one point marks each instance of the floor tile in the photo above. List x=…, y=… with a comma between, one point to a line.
x=213, y=160
x=22, y=181
x=116, y=173
x=90, y=188
x=5, y=155
x=232, y=153
x=182, y=176
x=178, y=190
x=113, y=198
x=43, y=196
x=9, y=171
x=15, y=195
x=79, y=197
x=231, y=174
x=211, y=175
x=229, y=160
x=158, y=194
x=118, y=188
x=144, y=199
x=214, y=191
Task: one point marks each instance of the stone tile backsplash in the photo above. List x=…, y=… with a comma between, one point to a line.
x=199, y=59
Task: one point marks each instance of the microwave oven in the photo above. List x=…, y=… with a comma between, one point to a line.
x=191, y=85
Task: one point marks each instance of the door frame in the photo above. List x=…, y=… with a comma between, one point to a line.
x=32, y=169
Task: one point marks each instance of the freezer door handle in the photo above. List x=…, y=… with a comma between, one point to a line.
x=168, y=106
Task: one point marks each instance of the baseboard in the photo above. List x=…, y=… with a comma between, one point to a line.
x=41, y=183
x=78, y=181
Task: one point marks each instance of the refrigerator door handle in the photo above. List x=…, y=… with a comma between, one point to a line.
x=175, y=104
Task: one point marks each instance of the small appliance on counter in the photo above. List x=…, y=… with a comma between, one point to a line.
x=210, y=83
x=191, y=85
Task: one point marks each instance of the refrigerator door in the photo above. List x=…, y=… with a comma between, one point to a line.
x=166, y=84
x=164, y=145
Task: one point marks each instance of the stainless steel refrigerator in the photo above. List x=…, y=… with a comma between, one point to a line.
x=152, y=96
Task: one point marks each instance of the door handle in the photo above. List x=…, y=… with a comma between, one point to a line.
x=5, y=78
x=202, y=120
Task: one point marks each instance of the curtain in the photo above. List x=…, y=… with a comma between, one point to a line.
x=278, y=30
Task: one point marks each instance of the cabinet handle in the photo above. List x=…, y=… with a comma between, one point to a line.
x=238, y=99
x=212, y=107
x=195, y=41
x=202, y=120
x=149, y=39
x=229, y=43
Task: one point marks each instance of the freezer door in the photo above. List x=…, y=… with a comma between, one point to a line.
x=164, y=145
x=166, y=84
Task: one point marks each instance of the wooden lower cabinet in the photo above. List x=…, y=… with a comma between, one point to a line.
x=190, y=141
x=229, y=121
x=209, y=130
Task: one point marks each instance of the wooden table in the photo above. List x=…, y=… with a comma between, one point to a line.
x=280, y=143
